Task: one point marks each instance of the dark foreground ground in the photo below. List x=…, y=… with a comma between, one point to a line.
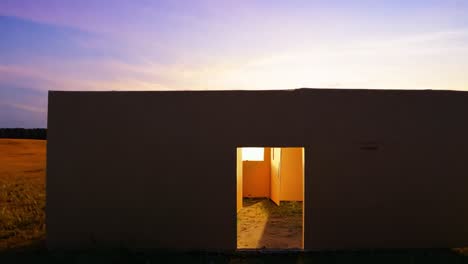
x=38, y=254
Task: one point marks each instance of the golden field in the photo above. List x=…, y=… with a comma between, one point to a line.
x=22, y=192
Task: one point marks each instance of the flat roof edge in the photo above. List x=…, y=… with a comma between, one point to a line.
x=298, y=90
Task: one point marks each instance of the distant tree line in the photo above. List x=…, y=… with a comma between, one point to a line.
x=26, y=133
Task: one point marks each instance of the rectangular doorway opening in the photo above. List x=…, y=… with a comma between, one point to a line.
x=270, y=198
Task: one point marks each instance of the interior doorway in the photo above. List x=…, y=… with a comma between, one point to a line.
x=270, y=197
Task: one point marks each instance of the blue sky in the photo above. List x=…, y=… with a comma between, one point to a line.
x=211, y=45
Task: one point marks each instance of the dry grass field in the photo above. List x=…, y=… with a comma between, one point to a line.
x=22, y=192
x=22, y=227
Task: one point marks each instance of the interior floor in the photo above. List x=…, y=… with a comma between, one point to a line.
x=263, y=224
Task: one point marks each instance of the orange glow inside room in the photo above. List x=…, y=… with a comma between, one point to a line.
x=270, y=180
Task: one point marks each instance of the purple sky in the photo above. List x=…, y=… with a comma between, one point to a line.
x=182, y=45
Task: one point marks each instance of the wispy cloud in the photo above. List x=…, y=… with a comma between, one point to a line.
x=13, y=116
x=25, y=107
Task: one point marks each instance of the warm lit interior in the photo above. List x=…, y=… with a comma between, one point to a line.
x=270, y=195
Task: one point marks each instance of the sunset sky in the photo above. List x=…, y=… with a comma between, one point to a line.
x=223, y=45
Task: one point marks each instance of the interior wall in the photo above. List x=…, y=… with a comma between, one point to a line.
x=256, y=176
x=275, y=176
x=239, y=178
x=292, y=174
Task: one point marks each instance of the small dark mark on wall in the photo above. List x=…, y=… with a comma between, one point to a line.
x=369, y=145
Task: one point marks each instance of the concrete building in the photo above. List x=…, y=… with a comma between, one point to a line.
x=381, y=168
